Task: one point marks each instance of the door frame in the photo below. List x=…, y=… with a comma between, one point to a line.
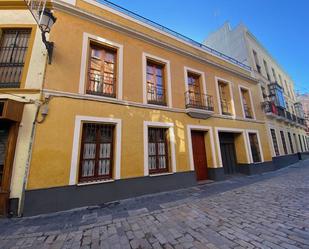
x=8, y=164
x=231, y=130
x=212, y=145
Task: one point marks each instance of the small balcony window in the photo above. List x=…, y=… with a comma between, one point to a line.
x=156, y=93
x=13, y=48
x=102, y=71
x=194, y=97
x=246, y=102
x=225, y=98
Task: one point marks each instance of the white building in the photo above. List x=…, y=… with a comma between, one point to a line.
x=285, y=116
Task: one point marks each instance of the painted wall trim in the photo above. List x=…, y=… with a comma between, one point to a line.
x=212, y=143
x=77, y=96
x=172, y=141
x=102, y=6
x=242, y=103
x=76, y=145
x=91, y=17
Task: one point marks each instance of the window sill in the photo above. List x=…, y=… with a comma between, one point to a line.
x=161, y=174
x=95, y=182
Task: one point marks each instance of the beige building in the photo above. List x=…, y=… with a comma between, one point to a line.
x=285, y=116
x=304, y=100
x=22, y=66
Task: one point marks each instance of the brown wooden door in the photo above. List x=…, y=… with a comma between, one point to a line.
x=8, y=137
x=199, y=155
x=4, y=135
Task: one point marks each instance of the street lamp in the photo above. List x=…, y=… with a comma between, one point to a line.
x=47, y=21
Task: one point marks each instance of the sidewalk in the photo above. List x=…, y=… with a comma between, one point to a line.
x=211, y=205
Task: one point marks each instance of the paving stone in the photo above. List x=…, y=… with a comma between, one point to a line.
x=262, y=211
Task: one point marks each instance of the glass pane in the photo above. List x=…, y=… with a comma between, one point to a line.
x=161, y=148
x=159, y=72
x=162, y=162
x=104, y=167
x=90, y=133
x=96, y=53
x=159, y=82
x=105, y=150
x=110, y=57
x=149, y=69
x=88, y=168
x=109, y=67
x=152, y=149
x=152, y=162
x=89, y=151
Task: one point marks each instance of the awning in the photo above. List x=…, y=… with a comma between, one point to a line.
x=11, y=110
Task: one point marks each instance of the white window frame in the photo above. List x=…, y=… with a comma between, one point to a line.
x=172, y=145
x=167, y=77
x=217, y=79
x=259, y=143
x=79, y=120
x=212, y=144
x=85, y=58
x=242, y=103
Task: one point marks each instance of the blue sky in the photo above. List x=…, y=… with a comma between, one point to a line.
x=282, y=26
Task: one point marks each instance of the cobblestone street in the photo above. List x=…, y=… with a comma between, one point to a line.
x=264, y=211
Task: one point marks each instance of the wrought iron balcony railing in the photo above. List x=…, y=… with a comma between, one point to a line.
x=270, y=108
x=301, y=121
x=199, y=101
x=155, y=94
x=281, y=112
x=99, y=84
x=288, y=115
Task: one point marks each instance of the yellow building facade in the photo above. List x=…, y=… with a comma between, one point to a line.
x=133, y=108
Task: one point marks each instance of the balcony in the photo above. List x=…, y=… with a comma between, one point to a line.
x=281, y=113
x=156, y=95
x=301, y=121
x=199, y=105
x=270, y=109
x=288, y=116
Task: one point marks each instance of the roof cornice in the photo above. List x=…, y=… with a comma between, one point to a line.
x=59, y=5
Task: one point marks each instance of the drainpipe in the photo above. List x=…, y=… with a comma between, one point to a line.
x=22, y=198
